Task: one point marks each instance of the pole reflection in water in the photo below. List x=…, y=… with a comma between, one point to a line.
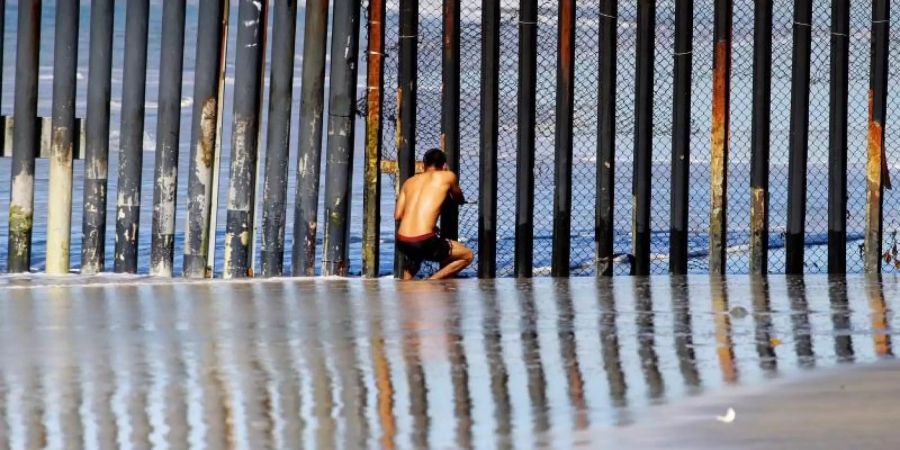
x=379, y=364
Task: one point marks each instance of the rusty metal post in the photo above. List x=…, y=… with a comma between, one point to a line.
x=837, y=142
x=244, y=139
x=341, y=127
x=877, y=176
x=759, y=139
x=96, y=152
x=168, y=133
x=799, y=143
x=25, y=144
x=681, y=137
x=606, y=136
x=524, y=258
x=131, y=144
x=407, y=70
x=284, y=30
x=309, y=147
x=65, y=60
x=643, y=135
x=212, y=24
x=721, y=117
x=487, y=178
x=374, y=104
x=450, y=81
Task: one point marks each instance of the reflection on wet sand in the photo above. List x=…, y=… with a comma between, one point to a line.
x=354, y=364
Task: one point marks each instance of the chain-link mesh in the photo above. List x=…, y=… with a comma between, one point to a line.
x=585, y=129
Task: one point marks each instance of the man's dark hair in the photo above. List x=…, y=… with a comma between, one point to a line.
x=434, y=158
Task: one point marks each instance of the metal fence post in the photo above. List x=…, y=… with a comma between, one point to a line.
x=799, y=144
x=643, y=134
x=606, y=136
x=407, y=67
x=131, y=146
x=721, y=131
x=450, y=100
x=25, y=146
x=374, y=104
x=65, y=59
x=877, y=177
x=309, y=147
x=284, y=30
x=565, y=104
x=759, y=140
x=341, y=127
x=245, y=137
x=837, y=142
x=487, y=179
x=681, y=137
x=168, y=133
x=96, y=153
x=524, y=258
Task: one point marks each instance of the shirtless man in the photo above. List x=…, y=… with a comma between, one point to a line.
x=418, y=208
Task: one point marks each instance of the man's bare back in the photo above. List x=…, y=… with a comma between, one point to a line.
x=418, y=208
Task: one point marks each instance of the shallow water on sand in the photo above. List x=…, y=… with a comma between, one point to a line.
x=381, y=364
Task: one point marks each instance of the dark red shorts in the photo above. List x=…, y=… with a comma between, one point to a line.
x=427, y=247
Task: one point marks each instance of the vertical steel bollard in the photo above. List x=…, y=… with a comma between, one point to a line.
x=877, y=177
x=837, y=142
x=450, y=100
x=487, y=179
x=681, y=137
x=524, y=258
x=374, y=107
x=96, y=152
x=606, y=136
x=799, y=144
x=407, y=67
x=205, y=140
x=341, y=127
x=565, y=104
x=309, y=148
x=2, y=33
x=65, y=59
x=245, y=137
x=25, y=146
x=131, y=146
x=284, y=30
x=721, y=135
x=168, y=132
x=759, y=140
x=643, y=135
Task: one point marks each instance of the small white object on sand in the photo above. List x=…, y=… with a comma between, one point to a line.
x=729, y=416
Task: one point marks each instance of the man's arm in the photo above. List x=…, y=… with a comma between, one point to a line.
x=400, y=208
x=456, y=192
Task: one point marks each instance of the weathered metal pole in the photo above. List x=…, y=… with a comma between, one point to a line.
x=450, y=100
x=407, y=67
x=168, y=132
x=759, y=139
x=212, y=20
x=284, y=30
x=487, y=167
x=131, y=146
x=341, y=127
x=309, y=148
x=244, y=139
x=25, y=146
x=799, y=144
x=2, y=42
x=374, y=108
x=721, y=131
x=877, y=177
x=837, y=142
x=681, y=137
x=643, y=134
x=606, y=136
x=565, y=104
x=524, y=258
x=96, y=152
x=65, y=60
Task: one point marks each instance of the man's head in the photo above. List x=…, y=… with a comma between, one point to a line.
x=434, y=159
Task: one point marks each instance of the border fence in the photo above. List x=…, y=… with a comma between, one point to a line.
x=608, y=137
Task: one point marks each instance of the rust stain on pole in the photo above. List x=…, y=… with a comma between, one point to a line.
x=874, y=171
x=374, y=100
x=758, y=230
x=719, y=157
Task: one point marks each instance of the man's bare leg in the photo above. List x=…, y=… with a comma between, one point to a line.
x=460, y=258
